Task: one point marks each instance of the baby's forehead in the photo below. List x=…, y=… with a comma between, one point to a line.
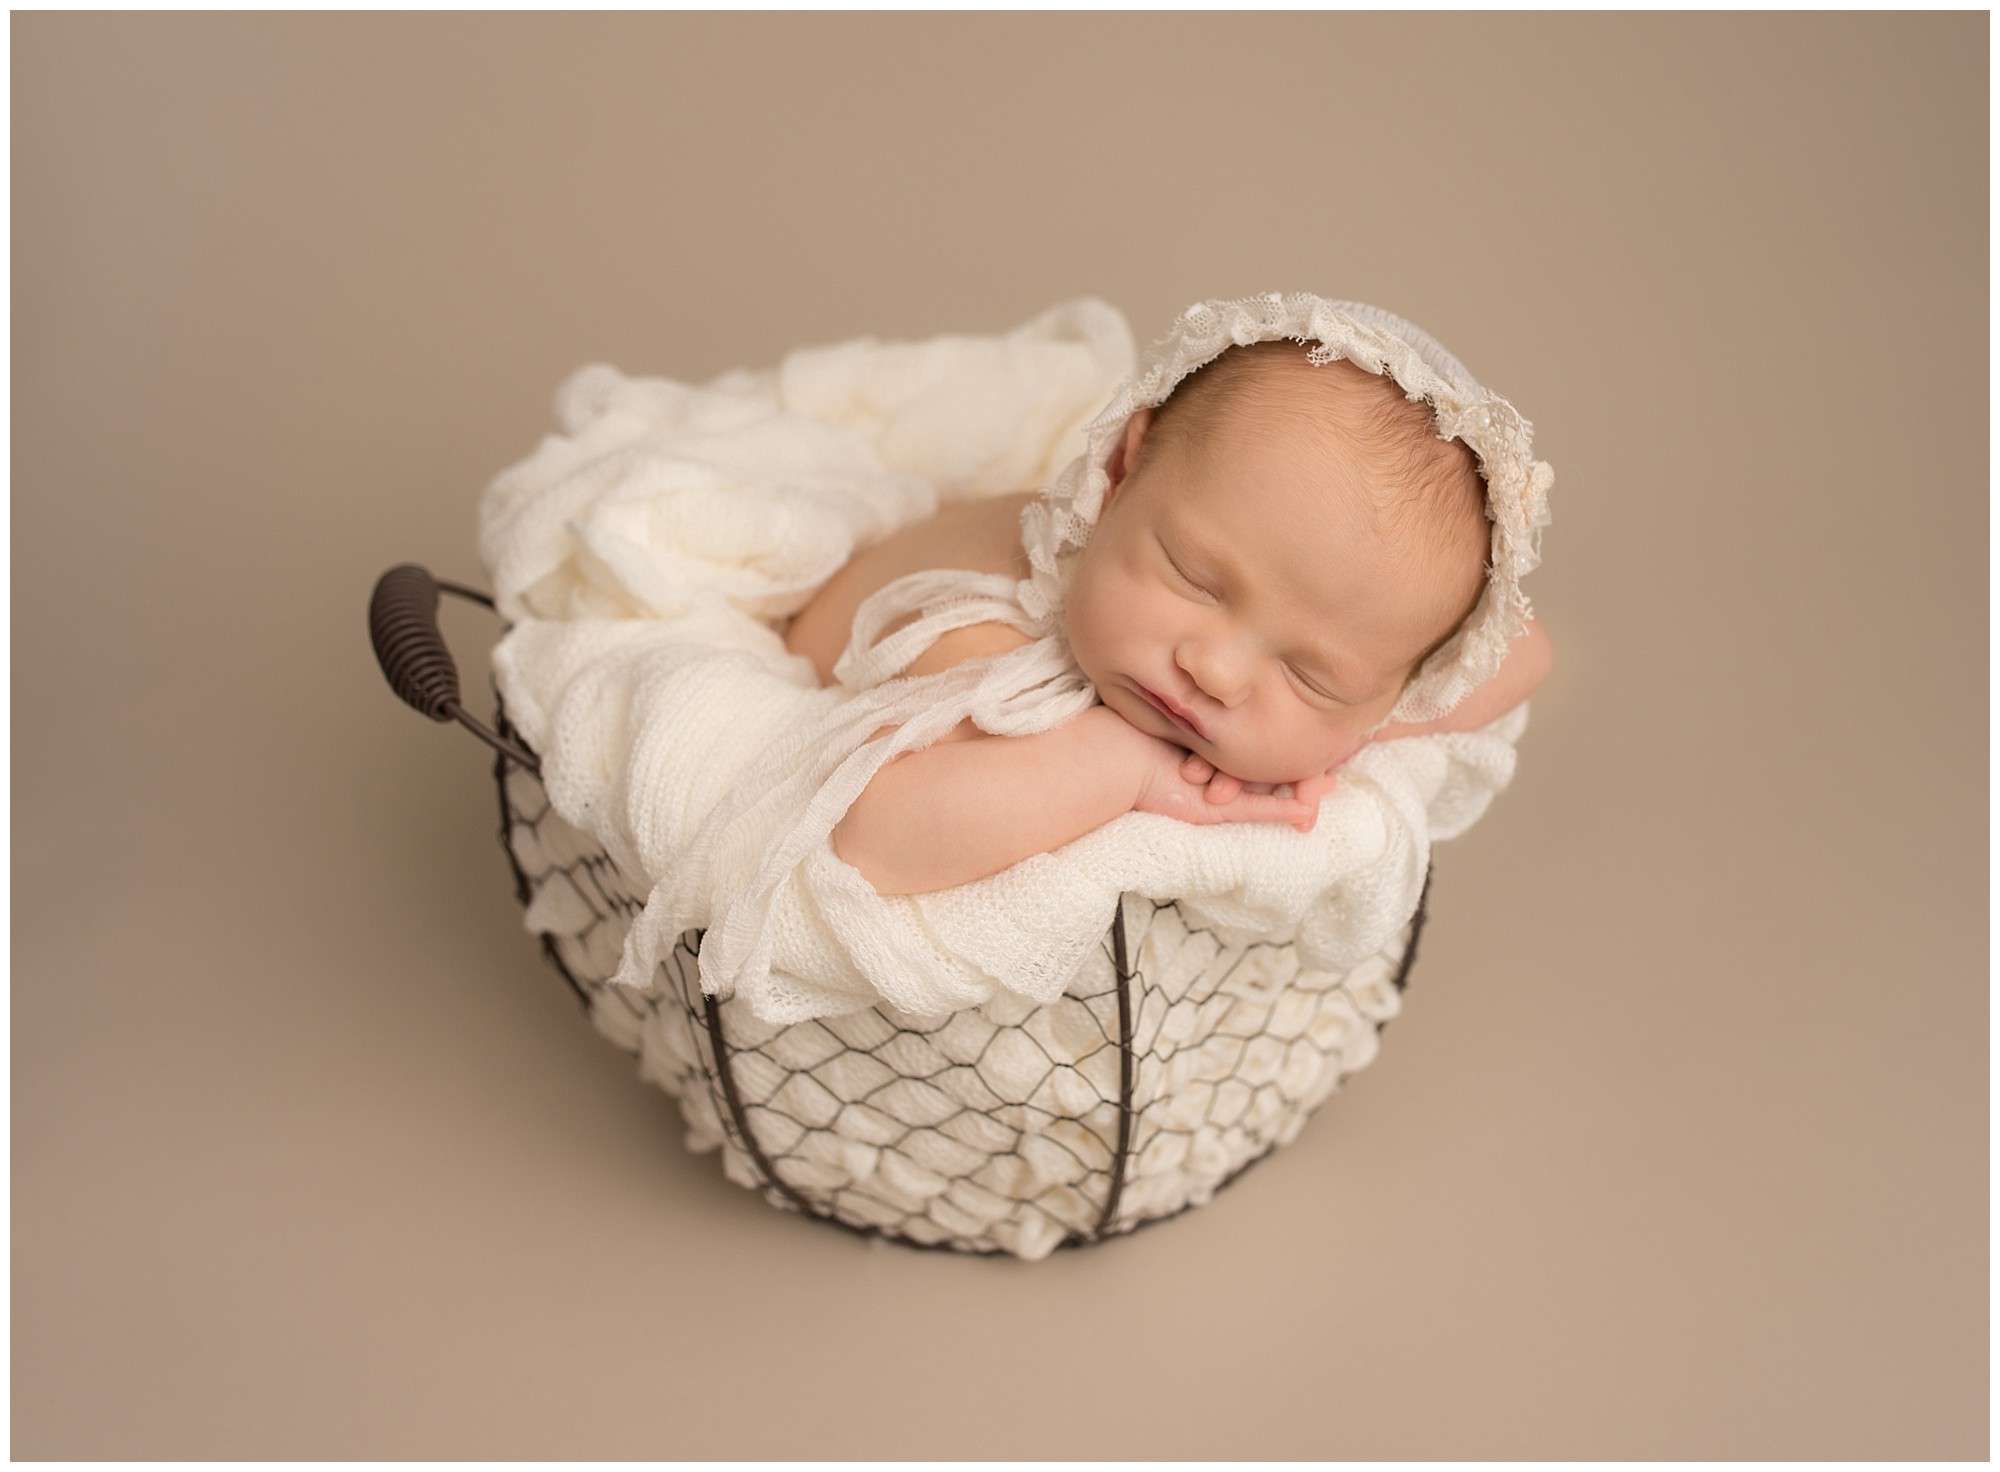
x=1380, y=460
x=1273, y=398
x=1273, y=393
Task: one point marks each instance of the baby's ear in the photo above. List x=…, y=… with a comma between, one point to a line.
x=1126, y=455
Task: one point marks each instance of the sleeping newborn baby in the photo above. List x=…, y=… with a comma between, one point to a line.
x=1282, y=545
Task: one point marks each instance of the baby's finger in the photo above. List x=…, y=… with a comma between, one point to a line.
x=1223, y=788
x=1196, y=768
x=1312, y=789
x=1266, y=807
x=1287, y=810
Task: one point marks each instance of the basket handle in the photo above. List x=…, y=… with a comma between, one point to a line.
x=403, y=624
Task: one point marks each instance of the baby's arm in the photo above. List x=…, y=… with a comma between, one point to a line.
x=973, y=804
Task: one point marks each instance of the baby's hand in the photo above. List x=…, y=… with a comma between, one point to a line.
x=1181, y=785
x=1223, y=788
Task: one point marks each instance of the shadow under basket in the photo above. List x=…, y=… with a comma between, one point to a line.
x=1176, y=1058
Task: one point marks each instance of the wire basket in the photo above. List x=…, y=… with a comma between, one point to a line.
x=1173, y=1061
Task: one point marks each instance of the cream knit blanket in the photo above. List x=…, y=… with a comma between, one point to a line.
x=646, y=557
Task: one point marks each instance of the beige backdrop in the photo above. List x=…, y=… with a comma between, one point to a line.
x=1680, y=1148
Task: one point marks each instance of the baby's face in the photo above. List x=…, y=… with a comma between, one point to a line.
x=1238, y=599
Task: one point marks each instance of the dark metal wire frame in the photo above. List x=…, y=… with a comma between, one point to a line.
x=725, y=1073
x=509, y=749
x=1121, y=1155
x=1127, y=1115
x=523, y=890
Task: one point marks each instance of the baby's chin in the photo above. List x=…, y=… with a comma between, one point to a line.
x=1260, y=767
x=1262, y=764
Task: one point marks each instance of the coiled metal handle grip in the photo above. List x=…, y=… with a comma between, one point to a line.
x=403, y=625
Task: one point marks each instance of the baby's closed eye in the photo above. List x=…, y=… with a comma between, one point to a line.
x=1185, y=578
x=1312, y=687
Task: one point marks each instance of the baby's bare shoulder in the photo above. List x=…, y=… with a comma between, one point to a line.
x=974, y=642
x=979, y=536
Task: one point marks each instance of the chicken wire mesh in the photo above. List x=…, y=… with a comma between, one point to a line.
x=1173, y=1061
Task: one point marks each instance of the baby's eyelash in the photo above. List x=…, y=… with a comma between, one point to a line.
x=1300, y=675
x=1182, y=573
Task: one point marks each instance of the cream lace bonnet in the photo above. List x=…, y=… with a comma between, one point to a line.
x=1517, y=485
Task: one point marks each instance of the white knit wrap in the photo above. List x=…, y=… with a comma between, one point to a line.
x=1517, y=485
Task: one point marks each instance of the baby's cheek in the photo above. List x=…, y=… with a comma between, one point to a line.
x=1320, y=747
x=1076, y=633
x=1083, y=622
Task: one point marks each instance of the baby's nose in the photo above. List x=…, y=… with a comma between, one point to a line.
x=1219, y=670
